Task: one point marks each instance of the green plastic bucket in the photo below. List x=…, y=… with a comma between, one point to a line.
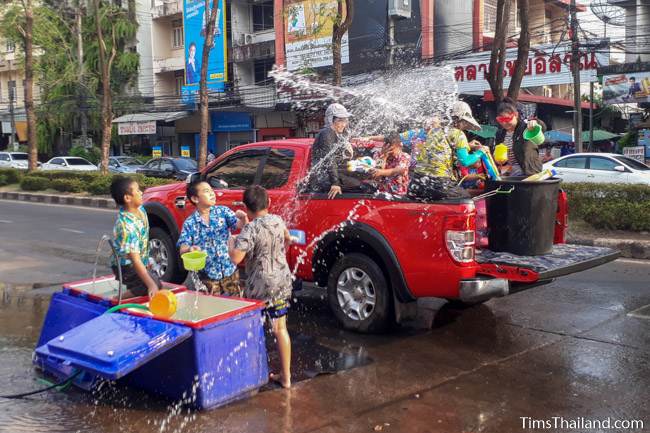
x=534, y=135
x=194, y=260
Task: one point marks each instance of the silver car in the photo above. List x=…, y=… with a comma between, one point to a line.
x=124, y=164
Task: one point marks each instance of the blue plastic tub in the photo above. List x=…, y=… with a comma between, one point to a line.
x=212, y=352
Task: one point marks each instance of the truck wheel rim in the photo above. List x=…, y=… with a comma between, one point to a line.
x=159, y=256
x=356, y=294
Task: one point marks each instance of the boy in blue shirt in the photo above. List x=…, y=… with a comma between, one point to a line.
x=131, y=240
x=208, y=229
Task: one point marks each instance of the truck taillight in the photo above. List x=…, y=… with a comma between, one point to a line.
x=460, y=244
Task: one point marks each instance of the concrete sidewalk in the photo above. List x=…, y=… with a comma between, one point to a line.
x=631, y=245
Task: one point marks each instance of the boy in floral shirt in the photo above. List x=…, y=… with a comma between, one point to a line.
x=393, y=176
x=131, y=240
x=208, y=229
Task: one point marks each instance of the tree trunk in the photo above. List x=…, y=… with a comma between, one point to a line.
x=498, y=54
x=131, y=9
x=341, y=26
x=522, y=50
x=203, y=85
x=105, y=66
x=29, y=87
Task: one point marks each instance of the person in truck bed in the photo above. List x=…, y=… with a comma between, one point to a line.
x=393, y=176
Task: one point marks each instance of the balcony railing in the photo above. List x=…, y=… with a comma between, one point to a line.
x=168, y=64
x=170, y=7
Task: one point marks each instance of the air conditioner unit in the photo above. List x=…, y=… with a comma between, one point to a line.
x=248, y=38
x=399, y=8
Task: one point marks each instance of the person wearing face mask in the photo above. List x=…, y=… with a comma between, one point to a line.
x=523, y=155
x=330, y=152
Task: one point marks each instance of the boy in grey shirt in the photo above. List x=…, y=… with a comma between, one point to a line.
x=262, y=242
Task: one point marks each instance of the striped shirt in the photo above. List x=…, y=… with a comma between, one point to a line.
x=512, y=160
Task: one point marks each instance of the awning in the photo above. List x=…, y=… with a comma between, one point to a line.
x=599, y=135
x=168, y=116
x=555, y=136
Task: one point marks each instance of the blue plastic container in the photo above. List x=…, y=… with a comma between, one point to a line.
x=207, y=356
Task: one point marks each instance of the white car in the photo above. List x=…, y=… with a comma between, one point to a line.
x=70, y=163
x=600, y=168
x=14, y=160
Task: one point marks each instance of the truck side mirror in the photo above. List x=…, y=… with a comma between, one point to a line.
x=193, y=177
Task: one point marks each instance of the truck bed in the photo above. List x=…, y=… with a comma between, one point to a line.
x=563, y=260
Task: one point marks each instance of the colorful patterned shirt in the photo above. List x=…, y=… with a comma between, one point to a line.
x=131, y=235
x=397, y=184
x=211, y=238
x=431, y=152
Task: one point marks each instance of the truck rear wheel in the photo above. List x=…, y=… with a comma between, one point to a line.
x=359, y=294
x=163, y=253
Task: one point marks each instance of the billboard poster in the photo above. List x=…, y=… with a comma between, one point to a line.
x=636, y=152
x=308, y=34
x=156, y=151
x=626, y=88
x=195, y=18
x=185, y=151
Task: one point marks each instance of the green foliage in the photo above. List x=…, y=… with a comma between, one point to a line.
x=12, y=175
x=68, y=185
x=3, y=180
x=610, y=206
x=93, y=154
x=34, y=183
x=629, y=139
x=101, y=185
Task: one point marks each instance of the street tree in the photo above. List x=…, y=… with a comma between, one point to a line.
x=499, y=46
x=19, y=15
x=203, y=81
x=341, y=24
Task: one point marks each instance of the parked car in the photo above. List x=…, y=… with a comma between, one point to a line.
x=374, y=254
x=72, y=163
x=169, y=168
x=600, y=168
x=124, y=164
x=14, y=160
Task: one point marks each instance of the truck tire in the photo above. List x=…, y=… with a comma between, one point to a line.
x=165, y=258
x=359, y=295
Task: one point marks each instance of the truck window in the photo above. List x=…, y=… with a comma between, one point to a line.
x=238, y=170
x=277, y=168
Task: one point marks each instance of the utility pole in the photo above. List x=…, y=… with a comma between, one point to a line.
x=575, y=68
x=12, y=143
x=591, y=116
x=81, y=73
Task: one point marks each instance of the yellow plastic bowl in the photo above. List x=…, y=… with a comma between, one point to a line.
x=163, y=304
x=194, y=260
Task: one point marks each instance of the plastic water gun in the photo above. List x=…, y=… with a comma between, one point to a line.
x=490, y=166
x=542, y=175
x=361, y=165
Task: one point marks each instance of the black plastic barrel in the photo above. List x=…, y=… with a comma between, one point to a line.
x=522, y=222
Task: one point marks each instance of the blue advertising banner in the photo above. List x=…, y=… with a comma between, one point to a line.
x=195, y=18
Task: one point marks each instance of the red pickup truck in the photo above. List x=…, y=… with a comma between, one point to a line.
x=374, y=255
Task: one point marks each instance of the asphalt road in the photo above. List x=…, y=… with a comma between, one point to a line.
x=576, y=350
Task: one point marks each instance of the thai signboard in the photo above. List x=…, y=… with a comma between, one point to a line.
x=635, y=152
x=308, y=34
x=546, y=66
x=626, y=88
x=195, y=19
x=136, y=128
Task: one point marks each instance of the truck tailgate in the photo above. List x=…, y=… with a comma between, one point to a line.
x=563, y=260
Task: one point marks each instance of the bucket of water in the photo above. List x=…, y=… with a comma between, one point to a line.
x=194, y=260
x=534, y=135
x=163, y=304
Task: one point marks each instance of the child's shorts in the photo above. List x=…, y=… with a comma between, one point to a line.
x=277, y=309
x=133, y=282
x=228, y=286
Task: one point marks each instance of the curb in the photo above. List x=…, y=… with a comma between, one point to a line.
x=96, y=202
x=629, y=248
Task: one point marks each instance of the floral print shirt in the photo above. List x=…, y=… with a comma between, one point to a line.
x=432, y=152
x=397, y=184
x=211, y=238
x=131, y=235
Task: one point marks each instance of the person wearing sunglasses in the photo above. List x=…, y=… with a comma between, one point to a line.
x=523, y=155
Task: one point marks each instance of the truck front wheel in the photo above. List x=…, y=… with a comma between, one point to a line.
x=359, y=295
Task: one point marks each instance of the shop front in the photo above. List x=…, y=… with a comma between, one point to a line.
x=148, y=133
x=228, y=129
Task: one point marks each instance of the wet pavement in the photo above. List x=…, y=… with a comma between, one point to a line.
x=577, y=348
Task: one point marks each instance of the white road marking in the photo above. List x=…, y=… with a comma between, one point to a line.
x=634, y=261
x=71, y=230
x=31, y=203
x=639, y=314
x=6, y=221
